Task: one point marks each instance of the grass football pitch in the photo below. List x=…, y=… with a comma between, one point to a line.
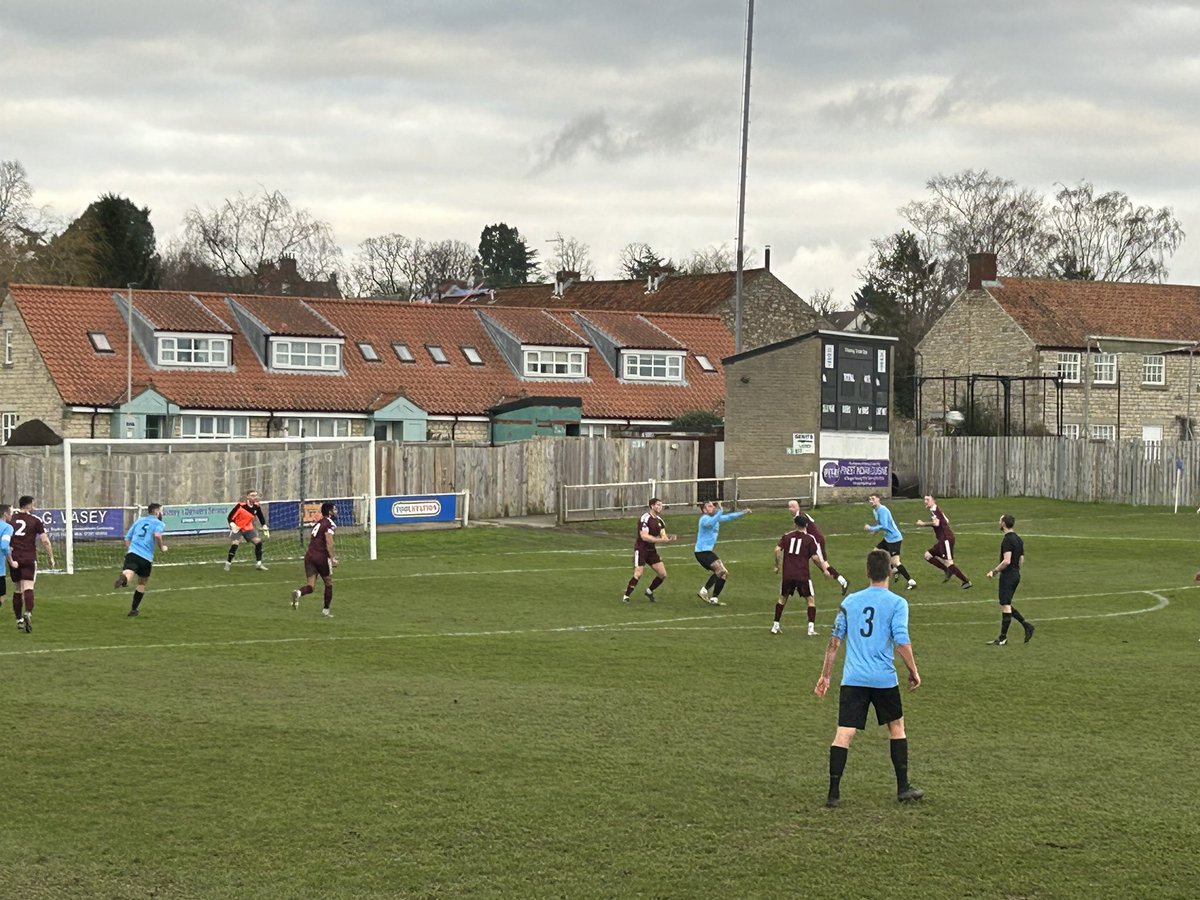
x=483, y=717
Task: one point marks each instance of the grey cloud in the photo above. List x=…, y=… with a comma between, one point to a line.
x=872, y=105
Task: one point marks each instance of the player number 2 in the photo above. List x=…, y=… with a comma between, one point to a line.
x=869, y=621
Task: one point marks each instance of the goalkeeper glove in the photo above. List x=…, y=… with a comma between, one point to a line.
x=233, y=529
x=266, y=532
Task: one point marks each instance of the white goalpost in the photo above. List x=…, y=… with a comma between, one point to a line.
x=107, y=484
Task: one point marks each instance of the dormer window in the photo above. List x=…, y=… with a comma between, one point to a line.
x=403, y=353
x=193, y=350
x=546, y=362
x=311, y=355
x=368, y=352
x=100, y=342
x=643, y=365
x=437, y=354
x=472, y=356
x=705, y=363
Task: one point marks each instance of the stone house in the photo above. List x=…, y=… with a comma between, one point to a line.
x=1116, y=359
x=216, y=365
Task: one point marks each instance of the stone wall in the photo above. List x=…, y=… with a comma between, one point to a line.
x=26, y=388
x=771, y=311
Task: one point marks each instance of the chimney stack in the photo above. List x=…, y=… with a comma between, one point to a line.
x=981, y=270
x=767, y=258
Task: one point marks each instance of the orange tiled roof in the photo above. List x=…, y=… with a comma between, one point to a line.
x=1058, y=313
x=59, y=318
x=183, y=311
x=537, y=326
x=635, y=332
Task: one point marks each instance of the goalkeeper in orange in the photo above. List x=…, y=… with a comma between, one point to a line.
x=243, y=521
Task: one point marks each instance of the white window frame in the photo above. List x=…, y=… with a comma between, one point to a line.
x=8, y=424
x=205, y=351
x=1104, y=368
x=306, y=355
x=437, y=354
x=1154, y=365
x=1070, y=430
x=554, y=362
x=201, y=427
x=644, y=365
x=705, y=363
x=1068, y=367
x=316, y=426
x=472, y=355
x=100, y=342
x=8, y=347
x=403, y=352
x=1102, y=432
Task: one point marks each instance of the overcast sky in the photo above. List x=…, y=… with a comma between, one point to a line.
x=610, y=120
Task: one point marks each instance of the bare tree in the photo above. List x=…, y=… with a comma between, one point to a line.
x=823, y=303
x=242, y=236
x=447, y=261
x=638, y=259
x=385, y=266
x=713, y=258
x=1107, y=238
x=571, y=255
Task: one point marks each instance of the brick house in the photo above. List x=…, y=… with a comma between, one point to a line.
x=771, y=311
x=227, y=365
x=1121, y=353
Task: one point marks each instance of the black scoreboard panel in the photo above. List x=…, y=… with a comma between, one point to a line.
x=854, y=386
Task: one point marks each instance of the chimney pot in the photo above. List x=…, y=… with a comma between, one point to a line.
x=981, y=268
x=767, y=258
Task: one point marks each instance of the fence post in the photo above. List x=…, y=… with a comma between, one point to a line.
x=562, y=503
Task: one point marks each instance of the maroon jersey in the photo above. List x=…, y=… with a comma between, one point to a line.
x=815, y=532
x=654, y=526
x=26, y=528
x=316, y=544
x=941, y=530
x=798, y=548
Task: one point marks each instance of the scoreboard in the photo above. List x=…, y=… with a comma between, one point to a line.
x=855, y=385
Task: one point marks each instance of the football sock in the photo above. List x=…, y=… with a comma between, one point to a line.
x=1016, y=615
x=712, y=579
x=658, y=579
x=957, y=573
x=629, y=587
x=1005, y=621
x=328, y=595
x=29, y=600
x=900, y=761
x=306, y=590
x=937, y=563
x=258, y=552
x=834, y=573
x=232, y=552
x=17, y=603
x=837, y=765
x=812, y=615
x=778, y=611
x=903, y=572
x=720, y=586
x=137, y=598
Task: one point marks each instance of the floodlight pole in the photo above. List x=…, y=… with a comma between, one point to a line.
x=741, y=214
x=129, y=346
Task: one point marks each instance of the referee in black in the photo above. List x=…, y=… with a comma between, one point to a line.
x=1012, y=556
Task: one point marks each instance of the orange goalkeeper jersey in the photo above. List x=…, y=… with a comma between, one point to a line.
x=244, y=514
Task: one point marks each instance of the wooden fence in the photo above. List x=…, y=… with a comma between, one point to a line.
x=1130, y=471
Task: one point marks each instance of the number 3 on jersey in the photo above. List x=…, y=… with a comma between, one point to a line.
x=868, y=621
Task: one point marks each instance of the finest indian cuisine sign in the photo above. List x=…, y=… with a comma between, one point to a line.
x=859, y=473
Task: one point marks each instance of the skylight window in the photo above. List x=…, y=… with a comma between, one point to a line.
x=403, y=353
x=705, y=364
x=100, y=342
x=438, y=354
x=472, y=356
x=368, y=352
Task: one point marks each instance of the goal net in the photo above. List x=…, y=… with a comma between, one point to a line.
x=581, y=502
x=107, y=484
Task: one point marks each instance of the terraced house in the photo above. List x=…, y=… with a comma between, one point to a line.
x=89, y=363
x=1118, y=359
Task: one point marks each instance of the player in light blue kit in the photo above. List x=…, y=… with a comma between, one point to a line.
x=892, y=537
x=140, y=541
x=873, y=623
x=6, y=533
x=706, y=539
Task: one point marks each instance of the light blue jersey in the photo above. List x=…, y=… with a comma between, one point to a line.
x=141, y=536
x=886, y=524
x=706, y=537
x=6, y=533
x=871, y=622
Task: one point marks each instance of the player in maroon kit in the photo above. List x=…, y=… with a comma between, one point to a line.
x=652, y=531
x=27, y=530
x=941, y=554
x=796, y=549
x=319, y=558
x=794, y=509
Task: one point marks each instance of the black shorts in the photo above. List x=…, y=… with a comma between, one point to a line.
x=854, y=700
x=892, y=547
x=1008, y=587
x=138, y=565
x=706, y=558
